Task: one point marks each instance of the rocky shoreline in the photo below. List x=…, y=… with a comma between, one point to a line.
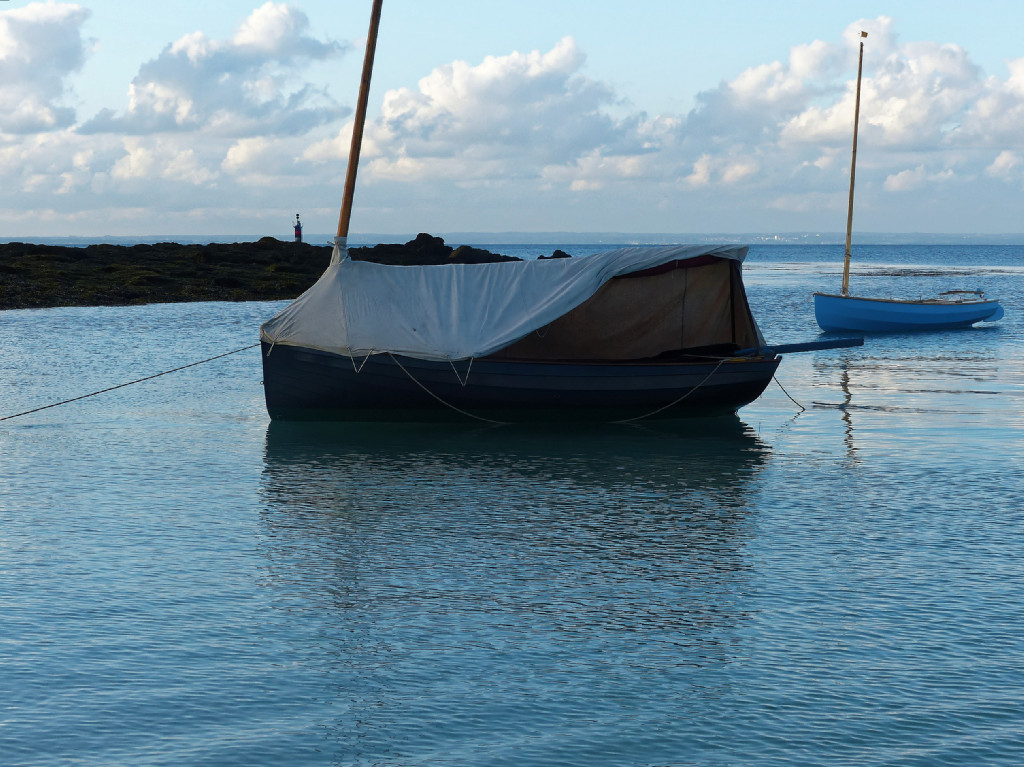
x=42, y=276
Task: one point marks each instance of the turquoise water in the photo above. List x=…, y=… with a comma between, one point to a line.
x=184, y=583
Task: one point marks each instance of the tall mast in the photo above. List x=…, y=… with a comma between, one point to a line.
x=853, y=172
x=360, y=119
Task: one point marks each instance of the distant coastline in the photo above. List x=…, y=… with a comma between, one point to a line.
x=560, y=238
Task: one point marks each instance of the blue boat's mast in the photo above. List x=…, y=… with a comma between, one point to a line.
x=853, y=172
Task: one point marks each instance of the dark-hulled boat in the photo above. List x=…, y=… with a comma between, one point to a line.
x=305, y=384
x=627, y=334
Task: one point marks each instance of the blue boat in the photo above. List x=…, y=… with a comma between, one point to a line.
x=843, y=312
x=953, y=309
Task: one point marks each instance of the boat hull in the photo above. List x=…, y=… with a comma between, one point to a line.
x=848, y=313
x=307, y=384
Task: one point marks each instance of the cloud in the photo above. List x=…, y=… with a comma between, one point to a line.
x=243, y=86
x=789, y=101
x=996, y=115
x=913, y=95
x=525, y=110
x=738, y=170
x=164, y=159
x=916, y=178
x=921, y=95
x=931, y=119
x=245, y=154
x=40, y=46
x=701, y=175
x=1008, y=166
x=185, y=145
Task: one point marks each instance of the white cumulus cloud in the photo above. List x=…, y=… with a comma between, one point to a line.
x=524, y=110
x=916, y=178
x=243, y=86
x=40, y=46
x=1007, y=165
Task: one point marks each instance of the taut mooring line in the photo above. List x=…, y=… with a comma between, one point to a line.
x=121, y=386
x=802, y=408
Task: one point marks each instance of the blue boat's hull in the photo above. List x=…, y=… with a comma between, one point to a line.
x=866, y=315
x=306, y=384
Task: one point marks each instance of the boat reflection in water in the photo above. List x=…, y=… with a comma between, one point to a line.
x=717, y=455
x=384, y=500
x=454, y=579
x=381, y=497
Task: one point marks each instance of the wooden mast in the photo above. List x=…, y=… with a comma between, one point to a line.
x=853, y=172
x=360, y=119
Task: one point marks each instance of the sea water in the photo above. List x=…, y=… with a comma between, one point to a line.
x=833, y=577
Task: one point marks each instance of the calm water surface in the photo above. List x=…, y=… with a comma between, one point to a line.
x=834, y=582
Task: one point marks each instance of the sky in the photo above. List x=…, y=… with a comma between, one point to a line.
x=655, y=116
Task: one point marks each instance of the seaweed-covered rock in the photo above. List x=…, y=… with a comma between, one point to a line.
x=38, y=276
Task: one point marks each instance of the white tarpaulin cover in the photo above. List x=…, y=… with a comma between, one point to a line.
x=455, y=311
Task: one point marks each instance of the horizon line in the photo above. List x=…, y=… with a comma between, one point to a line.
x=562, y=237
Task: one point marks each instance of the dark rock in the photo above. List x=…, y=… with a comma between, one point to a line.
x=466, y=254
x=425, y=250
x=556, y=254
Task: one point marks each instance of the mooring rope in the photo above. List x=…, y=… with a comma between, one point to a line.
x=446, y=404
x=676, y=402
x=802, y=408
x=624, y=420
x=129, y=383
